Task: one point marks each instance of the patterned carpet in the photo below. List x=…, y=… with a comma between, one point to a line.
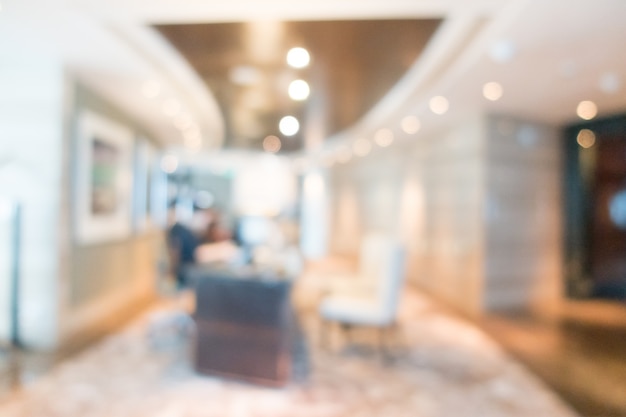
x=439, y=366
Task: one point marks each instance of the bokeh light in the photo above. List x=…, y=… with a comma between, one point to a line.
x=299, y=90
x=410, y=125
x=298, y=57
x=587, y=110
x=271, y=144
x=492, y=91
x=289, y=126
x=439, y=105
x=586, y=138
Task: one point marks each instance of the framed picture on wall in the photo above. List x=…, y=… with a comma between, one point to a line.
x=103, y=179
x=158, y=192
x=144, y=155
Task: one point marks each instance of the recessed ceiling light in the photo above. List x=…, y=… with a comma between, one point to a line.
x=439, y=105
x=298, y=57
x=289, y=126
x=587, y=110
x=299, y=90
x=383, y=137
x=492, y=91
x=271, y=144
x=410, y=124
x=361, y=147
x=586, y=138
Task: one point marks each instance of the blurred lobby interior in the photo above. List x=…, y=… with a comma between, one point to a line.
x=416, y=208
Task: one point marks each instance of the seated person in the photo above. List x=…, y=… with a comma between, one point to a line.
x=182, y=244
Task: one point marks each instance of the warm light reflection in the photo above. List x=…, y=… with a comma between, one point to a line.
x=361, y=147
x=439, y=105
x=383, y=137
x=492, y=91
x=587, y=110
x=299, y=90
x=298, y=57
x=151, y=89
x=271, y=144
x=289, y=126
x=586, y=138
x=169, y=164
x=171, y=107
x=411, y=124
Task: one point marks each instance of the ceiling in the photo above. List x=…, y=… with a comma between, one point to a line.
x=354, y=63
x=547, y=56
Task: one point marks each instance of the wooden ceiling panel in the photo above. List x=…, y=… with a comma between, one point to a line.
x=353, y=65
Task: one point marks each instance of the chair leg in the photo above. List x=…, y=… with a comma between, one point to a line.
x=346, y=328
x=323, y=329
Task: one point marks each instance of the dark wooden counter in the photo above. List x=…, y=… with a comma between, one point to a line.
x=244, y=324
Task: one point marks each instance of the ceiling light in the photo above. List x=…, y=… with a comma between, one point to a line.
x=586, y=138
x=244, y=75
x=361, y=147
x=289, y=126
x=299, y=90
x=492, y=91
x=610, y=83
x=171, y=107
x=587, y=110
x=383, y=137
x=410, y=124
x=439, y=104
x=271, y=144
x=169, y=164
x=151, y=89
x=502, y=51
x=298, y=57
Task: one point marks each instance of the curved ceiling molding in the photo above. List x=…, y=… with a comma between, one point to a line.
x=171, y=68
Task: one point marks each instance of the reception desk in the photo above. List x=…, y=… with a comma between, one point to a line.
x=244, y=323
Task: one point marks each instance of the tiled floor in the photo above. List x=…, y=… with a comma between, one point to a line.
x=441, y=366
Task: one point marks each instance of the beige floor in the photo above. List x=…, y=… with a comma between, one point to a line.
x=441, y=367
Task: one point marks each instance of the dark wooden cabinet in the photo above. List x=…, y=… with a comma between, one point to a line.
x=244, y=326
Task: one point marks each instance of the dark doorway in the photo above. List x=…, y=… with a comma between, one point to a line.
x=595, y=203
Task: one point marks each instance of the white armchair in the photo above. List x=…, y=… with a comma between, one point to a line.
x=383, y=272
x=366, y=279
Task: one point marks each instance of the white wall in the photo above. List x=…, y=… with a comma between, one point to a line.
x=523, y=220
x=31, y=129
x=477, y=204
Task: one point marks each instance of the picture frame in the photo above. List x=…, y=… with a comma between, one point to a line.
x=142, y=190
x=158, y=193
x=103, y=179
